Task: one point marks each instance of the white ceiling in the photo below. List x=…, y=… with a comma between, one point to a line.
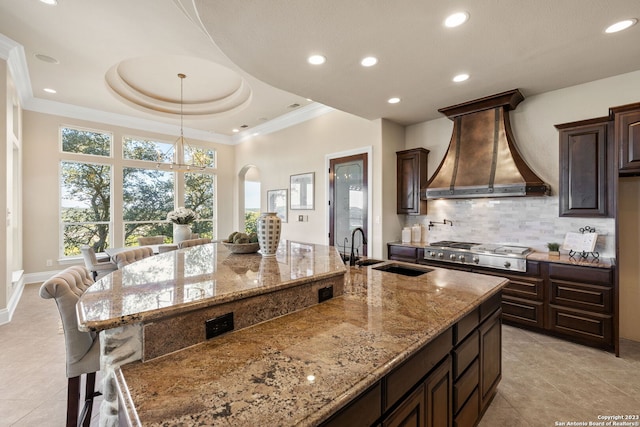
x=245, y=61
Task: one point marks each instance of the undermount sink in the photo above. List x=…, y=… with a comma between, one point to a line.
x=369, y=261
x=403, y=269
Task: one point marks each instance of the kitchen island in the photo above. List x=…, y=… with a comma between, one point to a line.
x=362, y=356
x=178, y=299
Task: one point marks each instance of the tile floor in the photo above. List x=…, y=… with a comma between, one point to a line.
x=545, y=381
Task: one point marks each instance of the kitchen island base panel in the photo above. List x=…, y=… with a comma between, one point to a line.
x=184, y=330
x=118, y=346
x=303, y=368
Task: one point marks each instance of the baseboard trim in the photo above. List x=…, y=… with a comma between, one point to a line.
x=6, y=314
x=40, y=276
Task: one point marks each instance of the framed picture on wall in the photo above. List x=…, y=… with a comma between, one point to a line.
x=302, y=188
x=277, y=202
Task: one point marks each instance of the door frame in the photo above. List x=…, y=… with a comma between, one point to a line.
x=368, y=150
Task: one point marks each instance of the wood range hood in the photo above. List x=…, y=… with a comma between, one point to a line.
x=482, y=159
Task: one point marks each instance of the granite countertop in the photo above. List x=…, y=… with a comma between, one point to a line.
x=186, y=279
x=300, y=368
x=603, y=262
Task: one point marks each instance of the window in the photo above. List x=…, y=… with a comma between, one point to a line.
x=82, y=141
x=200, y=197
x=85, y=189
x=148, y=193
x=85, y=209
x=146, y=150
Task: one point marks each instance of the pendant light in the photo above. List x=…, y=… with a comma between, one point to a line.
x=198, y=158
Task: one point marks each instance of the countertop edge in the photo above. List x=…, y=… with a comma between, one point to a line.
x=162, y=313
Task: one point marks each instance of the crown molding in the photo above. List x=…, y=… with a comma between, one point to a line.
x=299, y=115
x=14, y=54
x=89, y=114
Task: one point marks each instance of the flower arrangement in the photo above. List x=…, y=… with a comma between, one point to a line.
x=182, y=215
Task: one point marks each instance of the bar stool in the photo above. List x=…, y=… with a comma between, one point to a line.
x=82, y=348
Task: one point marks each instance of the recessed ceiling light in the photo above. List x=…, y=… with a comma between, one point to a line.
x=369, y=61
x=622, y=25
x=393, y=100
x=50, y=2
x=48, y=90
x=316, y=59
x=460, y=78
x=235, y=130
x=46, y=58
x=456, y=19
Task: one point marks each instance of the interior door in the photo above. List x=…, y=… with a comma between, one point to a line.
x=348, y=202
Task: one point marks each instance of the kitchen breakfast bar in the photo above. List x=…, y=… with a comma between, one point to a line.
x=201, y=336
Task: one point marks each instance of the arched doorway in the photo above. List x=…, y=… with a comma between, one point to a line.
x=250, y=198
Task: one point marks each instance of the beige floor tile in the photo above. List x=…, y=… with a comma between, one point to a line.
x=545, y=379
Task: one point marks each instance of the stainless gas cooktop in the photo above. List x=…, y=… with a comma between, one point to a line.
x=503, y=257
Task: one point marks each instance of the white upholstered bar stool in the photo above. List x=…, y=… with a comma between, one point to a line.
x=99, y=268
x=132, y=255
x=82, y=348
x=151, y=240
x=193, y=242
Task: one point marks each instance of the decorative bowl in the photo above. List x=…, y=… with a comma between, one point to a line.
x=241, y=248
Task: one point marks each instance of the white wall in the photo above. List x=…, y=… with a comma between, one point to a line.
x=527, y=221
x=303, y=148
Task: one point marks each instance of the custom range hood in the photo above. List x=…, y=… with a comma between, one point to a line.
x=482, y=159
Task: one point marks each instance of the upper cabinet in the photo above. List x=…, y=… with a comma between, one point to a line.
x=411, y=177
x=587, y=165
x=627, y=137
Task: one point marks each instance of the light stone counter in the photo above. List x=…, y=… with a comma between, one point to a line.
x=300, y=368
x=161, y=304
x=174, y=282
x=590, y=261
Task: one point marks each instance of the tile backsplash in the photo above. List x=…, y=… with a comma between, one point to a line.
x=522, y=221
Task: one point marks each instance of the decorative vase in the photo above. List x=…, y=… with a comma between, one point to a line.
x=269, y=228
x=181, y=232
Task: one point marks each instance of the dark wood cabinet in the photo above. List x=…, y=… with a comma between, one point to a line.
x=440, y=385
x=587, y=168
x=627, y=137
x=438, y=395
x=574, y=302
x=411, y=178
x=490, y=358
x=404, y=253
x=411, y=413
x=581, y=304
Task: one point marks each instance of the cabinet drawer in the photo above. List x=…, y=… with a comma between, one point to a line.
x=403, y=253
x=522, y=311
x=525, y=288
x=465, y=386
x=400, y=381
x=468, y=415
x=465, y=354
x=465, y=325
x=592, y=327
x=365, y=410
x=581, y=295
x=490, y=306
x=601, y=276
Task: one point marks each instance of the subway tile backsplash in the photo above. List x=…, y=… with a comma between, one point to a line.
x=525, y=221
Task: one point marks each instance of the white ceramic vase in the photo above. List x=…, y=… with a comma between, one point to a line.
x=269, y=228
x=181, y=232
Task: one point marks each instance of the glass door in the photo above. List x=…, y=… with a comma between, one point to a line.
x=348, y=202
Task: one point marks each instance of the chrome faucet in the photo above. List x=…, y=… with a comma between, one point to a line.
x=352, y=257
